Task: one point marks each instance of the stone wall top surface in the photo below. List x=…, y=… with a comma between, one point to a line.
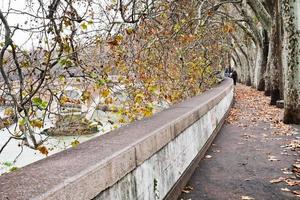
x=84, y=171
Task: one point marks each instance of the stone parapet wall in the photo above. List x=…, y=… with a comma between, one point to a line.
x=144, y=160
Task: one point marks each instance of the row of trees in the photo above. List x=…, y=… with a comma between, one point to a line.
x=265, y=48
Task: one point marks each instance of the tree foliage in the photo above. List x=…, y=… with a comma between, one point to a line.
x=130, y=56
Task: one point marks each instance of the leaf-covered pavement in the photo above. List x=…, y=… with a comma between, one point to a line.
x=255, y=155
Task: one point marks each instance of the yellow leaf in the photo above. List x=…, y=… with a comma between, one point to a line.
x=148, y=111
x=138, y=98
x=108, y=100
x=86, y=95
x=84, y=26
x=105, y=93
x=129, y=31
x=152, y=88
x=9, y=112
x=122, y=120
x=75, y=143
x=119, y=38
x=64, y=99
x=37, y=123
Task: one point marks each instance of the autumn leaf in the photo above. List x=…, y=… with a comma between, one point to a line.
x=108, y=100
x=247, y=198
x=129, y=31
x=138, y=98
x=273, y=158
x=285, y=189
x=147, y=112
x=113, y=42
x=153, y=88
x=277, y=180
x=43, y=150
x=291, y=182
x=297, y=166
x=36, y=123
x=86, y=96
x=105, y=93
x=116, y=40
x=75, y=143
x=210, y=13
x=297, y=192
x=9, y=111
x=122, y=120
x=67, y=22
x=187, y=189
x=64, y=99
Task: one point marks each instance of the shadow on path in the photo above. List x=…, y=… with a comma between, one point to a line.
x=253, y=149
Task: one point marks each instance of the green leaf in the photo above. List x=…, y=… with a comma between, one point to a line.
x=101, y=82
x=13, y=169
x=7, y=164
x=22, y=122
x=62, y=78
x=83, y=26
x=44, y=105
x=37, y=100
x=94, y=75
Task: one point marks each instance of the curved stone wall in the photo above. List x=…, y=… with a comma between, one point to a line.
x=149, y=159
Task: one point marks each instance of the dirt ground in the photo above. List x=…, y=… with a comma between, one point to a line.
x=255, y=156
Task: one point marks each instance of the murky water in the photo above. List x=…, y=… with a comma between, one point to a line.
x=15, y=155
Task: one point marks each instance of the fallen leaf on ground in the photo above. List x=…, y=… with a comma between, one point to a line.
x=247, y=198
x=273, y=158
x=285, y=189
x=296, y=166
x=187, y=189
x=294, y=145
x=278, y=180
x=296, y=170
x=291, y=182
x=297, y=192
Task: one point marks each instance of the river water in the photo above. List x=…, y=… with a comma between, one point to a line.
x=53, y=144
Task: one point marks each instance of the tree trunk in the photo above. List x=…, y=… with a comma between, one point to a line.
x=275, y=57
x=263, y=67
x=267, y=76
x=291, y=60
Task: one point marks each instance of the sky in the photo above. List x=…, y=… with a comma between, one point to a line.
x=25, y=21
x=13, y=19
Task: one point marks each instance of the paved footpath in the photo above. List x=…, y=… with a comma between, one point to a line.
x=255, y=156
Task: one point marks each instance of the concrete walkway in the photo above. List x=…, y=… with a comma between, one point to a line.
x=253, y=149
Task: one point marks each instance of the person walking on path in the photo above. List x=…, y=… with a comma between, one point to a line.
x=234, y=77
